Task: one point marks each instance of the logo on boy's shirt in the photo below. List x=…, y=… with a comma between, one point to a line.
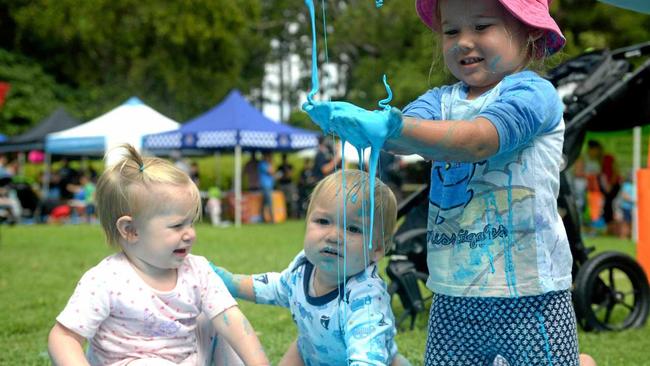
x=262, y=278
x=325, y=321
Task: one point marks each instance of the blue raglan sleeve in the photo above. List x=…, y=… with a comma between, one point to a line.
x=427, y=106
x=370, y=325
x=526, y=107
x=274, y=288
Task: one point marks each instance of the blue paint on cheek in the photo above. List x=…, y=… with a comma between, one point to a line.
x=494, y=63
x=354, y=198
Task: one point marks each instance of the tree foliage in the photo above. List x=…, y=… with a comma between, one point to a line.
x=33, y=93
x=179, y=57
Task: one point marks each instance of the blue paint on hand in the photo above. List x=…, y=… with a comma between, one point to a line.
x=360, y=127
x=227, y=278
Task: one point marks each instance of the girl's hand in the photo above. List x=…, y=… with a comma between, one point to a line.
x=358, y=126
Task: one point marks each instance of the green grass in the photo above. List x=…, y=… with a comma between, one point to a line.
x=40, y=266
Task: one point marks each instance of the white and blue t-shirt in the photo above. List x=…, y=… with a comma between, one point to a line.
x=493, y=225
x=352, y=325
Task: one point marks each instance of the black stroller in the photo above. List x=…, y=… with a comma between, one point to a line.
x=611, y=292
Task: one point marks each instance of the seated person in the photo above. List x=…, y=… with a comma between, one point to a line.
x=339, y=303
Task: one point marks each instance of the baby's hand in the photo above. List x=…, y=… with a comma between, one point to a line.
x=227, y=278
x=360, y=127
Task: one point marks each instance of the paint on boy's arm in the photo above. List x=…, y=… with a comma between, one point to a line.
x=225, y=320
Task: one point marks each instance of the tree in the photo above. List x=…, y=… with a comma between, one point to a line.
x=33, y=94
x=179, y=57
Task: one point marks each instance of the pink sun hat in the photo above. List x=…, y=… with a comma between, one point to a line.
x=533, y=13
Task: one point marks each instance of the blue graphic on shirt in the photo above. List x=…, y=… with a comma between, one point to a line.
x=325, y=321
x=449, y=184
x=360, y=303
x=262, y=278
x=303, y=312
x=375, y=356
x=362, y=330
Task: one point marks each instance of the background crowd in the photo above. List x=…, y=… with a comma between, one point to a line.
x=605, y=193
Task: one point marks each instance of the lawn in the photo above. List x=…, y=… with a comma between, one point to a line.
x=41, y=265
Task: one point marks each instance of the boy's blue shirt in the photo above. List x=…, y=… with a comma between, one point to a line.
x=493, y=225
x=352, y=325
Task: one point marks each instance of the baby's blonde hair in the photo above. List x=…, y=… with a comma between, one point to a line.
x=124, y=189
x=356, y=185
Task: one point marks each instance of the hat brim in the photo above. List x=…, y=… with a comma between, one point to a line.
x=531, y=13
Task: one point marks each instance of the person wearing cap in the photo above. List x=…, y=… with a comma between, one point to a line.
x=497, y=251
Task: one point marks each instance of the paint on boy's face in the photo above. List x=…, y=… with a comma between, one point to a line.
x=338, y=250
x=482, y=42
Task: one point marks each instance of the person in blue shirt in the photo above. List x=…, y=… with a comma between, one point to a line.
x=267, y=181
x=497, y=251
x=337, y=299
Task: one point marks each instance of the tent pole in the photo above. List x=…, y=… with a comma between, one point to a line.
x=21, y=163
x=46, y=175
x=636, y=165
x=84, y=163
x=217, y=176
x=237, y=185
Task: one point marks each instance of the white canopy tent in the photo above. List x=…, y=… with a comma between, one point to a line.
x=126, y=123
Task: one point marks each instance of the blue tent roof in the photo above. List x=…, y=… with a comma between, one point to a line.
x=233, y=122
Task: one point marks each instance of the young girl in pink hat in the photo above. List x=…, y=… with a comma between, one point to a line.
x=498, y=255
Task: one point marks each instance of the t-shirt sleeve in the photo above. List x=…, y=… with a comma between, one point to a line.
x=88, y=306
x=427, y=106
x=370, y=328
x=525, y=108
x=274, y=288
x=215, y=297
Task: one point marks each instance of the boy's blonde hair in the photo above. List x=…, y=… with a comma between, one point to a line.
x=356, y=185
x=124, y=189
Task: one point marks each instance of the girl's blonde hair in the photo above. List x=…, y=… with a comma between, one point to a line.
x=124, y=189
x=356, y=185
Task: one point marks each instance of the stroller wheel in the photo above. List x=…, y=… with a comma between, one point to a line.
x=611, y=292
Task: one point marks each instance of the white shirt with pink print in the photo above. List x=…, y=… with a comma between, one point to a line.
x=126, y=320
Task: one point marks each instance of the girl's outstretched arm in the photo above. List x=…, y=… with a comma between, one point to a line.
x=65, y=347
x=467, y=141
x=232, y=325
